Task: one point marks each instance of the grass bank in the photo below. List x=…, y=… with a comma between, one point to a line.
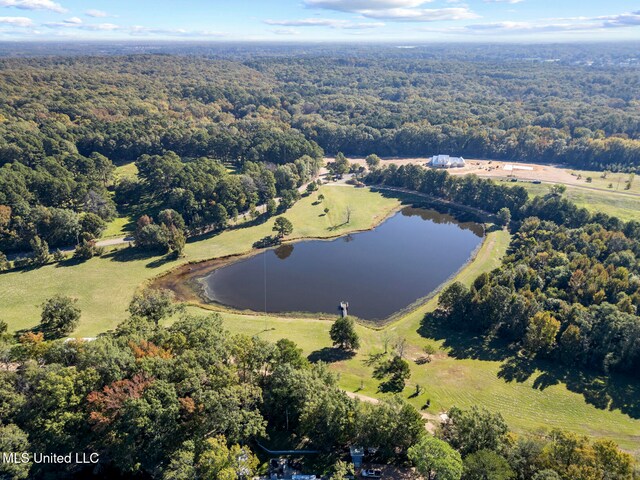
x=104, y=286
x=448, y=380
x=617, y=203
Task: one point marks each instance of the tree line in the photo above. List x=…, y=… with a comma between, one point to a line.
x=65, y=122
x=570, y=294
x=568, y=289
x=191, y=400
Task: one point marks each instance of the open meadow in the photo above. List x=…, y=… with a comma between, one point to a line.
x=104, y=286
x=449, y=380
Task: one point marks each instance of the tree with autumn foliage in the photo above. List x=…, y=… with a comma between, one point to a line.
x=541, y=333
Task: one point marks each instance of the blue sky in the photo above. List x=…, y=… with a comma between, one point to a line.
x=321, y=20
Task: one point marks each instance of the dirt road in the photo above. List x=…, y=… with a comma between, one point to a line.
x=432, y=420
x=497, y=169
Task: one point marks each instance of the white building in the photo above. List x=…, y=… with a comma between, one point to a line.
x=447, y=162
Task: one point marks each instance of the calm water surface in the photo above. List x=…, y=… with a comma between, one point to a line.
x=378, y=272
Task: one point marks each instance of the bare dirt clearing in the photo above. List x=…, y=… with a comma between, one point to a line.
x=531, y=172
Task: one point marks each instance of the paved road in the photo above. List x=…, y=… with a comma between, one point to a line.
x=108, y=242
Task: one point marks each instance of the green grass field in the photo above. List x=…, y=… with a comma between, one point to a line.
x=118, y=227
x=448, y=381
x=615, y=203
x=121, y=226
x=609, y=181
x=126, y=170
x=104, y=287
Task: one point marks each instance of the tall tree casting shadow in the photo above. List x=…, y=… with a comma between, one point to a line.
x=611, y=391
x=330, y=355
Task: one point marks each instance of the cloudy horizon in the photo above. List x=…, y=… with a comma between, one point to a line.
x=321, y=20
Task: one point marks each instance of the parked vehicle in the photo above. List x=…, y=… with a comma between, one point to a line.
x=371, y=473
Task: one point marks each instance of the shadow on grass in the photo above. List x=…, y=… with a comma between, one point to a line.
x=69, y=262
x=463, y=344
x=336, y=227
x=263, y=218
x=373, y=359
x=131, y=254
x=493, y=228
x=607, y=392
x=158, y=262
x=389, y=386
x=330, y=355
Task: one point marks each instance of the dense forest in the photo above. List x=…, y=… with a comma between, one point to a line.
x=191, y=401
x=214, y=136
x=569, y=288
x=268, y=108
x=568, y=294
x=65, y=122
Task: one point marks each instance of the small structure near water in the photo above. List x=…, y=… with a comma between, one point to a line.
x=344, y=307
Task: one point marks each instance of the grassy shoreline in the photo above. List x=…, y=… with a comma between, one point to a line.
x=447, y=380
x=184, y=282
x=104, y=287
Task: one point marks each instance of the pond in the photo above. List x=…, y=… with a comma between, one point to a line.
x=378, y=272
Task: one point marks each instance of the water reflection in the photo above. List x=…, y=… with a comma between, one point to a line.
x=284, y=251
x=378, y=272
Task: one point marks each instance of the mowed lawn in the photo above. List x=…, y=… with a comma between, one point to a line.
x=448, y=381
x=615, y=203
x=121, y=226
x=118, y=227
x=104, y=286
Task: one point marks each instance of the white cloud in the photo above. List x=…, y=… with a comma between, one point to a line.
x=21, y=22
x=395, y=10
x=34, y=5
x=101, y=27
x=306, y=22
x=623, y=20
x=552, y=25
x=503, y=1
x=73, y=23
x=421, y=14
x=96, y=13
x=359, y=5
x=325, y=22
x=363, y=25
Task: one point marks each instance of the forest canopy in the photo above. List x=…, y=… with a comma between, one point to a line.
x=66, y=122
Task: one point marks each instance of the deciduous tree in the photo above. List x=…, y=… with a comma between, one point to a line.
x=343, y=334
x=436, y=460
x=60, y=316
